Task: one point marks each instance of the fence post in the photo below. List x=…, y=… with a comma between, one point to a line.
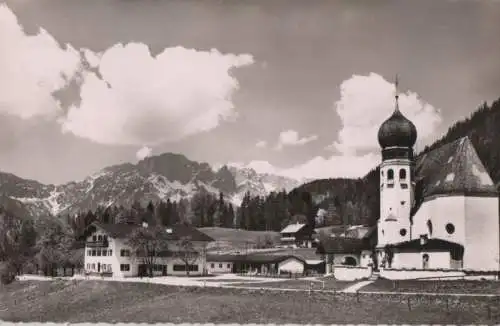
x=409, y=303
x=357, y=296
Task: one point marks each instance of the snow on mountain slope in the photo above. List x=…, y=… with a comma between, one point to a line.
x=166, y=176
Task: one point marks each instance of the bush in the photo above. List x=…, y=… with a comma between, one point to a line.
x=7, y=273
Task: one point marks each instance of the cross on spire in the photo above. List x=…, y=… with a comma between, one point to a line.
x=396, y=84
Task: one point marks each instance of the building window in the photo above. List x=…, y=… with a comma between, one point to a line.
x=88, y=266
x=390, y=185
x=124, y=267
x=105, y=237
x=125, y=253
x=98, y=252
x=110, y=252
x=99, y=238
x=212, y=265
x=390, y=174
x=89, y=252
x=94, y=238
x=182, y=268
x=93, y=266
x=402, y=232
x=94, y=252
x=404, y=186
x=104, y=252
x=228, y=265
x=109, y=268
x=450, y=228
x=402, y=174
x=220, y=265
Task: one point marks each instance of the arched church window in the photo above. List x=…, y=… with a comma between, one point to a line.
x=390, y=174
x=450, y=228
x=429, y=227
x=402, y=174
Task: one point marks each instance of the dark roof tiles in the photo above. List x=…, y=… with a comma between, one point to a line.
x=453, y=168
x=178, y=231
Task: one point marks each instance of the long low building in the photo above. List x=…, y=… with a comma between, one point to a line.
x=257, y=263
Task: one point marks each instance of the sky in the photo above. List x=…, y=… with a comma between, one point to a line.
x=292, y=87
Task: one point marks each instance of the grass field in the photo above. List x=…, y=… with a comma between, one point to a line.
x=94, y=301
x=239, y=236
x=458, y=286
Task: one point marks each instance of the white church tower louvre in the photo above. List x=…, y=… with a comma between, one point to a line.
x=397, y=136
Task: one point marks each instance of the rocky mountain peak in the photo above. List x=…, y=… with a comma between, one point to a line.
x=166, y=176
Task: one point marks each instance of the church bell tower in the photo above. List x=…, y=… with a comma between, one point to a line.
x=397, y=136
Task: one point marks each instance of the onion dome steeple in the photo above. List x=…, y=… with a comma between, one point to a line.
x=397, y=130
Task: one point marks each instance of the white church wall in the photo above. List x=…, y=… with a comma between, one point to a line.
x=420, y=220
x=449, y=210
x=407, y=260
x=482, y=234
x=347, y=273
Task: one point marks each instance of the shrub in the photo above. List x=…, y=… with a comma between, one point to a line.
x=7, y=273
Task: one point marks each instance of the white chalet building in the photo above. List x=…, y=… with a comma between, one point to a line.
x=107, y=252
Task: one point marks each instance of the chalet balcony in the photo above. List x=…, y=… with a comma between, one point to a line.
x=97, y=244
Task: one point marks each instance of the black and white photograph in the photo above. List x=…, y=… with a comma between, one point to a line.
x=264, y=162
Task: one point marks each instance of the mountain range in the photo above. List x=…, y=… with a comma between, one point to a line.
x=166, y=176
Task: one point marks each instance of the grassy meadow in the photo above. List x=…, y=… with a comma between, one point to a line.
x=100, y=301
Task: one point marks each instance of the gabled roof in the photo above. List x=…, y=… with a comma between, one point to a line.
x=252, y=258
x=293, y=228
x=178, y=231
x=339, y=245
x=453, y=168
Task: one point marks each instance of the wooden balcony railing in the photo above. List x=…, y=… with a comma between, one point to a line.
x=97, y=244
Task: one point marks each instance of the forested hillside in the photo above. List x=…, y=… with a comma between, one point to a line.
x=357, y=200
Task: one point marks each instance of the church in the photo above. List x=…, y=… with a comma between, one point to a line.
x=439, y=210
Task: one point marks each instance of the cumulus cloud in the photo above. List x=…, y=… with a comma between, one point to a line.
x=32, y=68
x=144, y=152
x=366, y=101
x=261, y=144
x=138, y=99
x=291, y=138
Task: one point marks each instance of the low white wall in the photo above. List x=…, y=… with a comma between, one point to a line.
x=394, y=274
x=345, y=273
